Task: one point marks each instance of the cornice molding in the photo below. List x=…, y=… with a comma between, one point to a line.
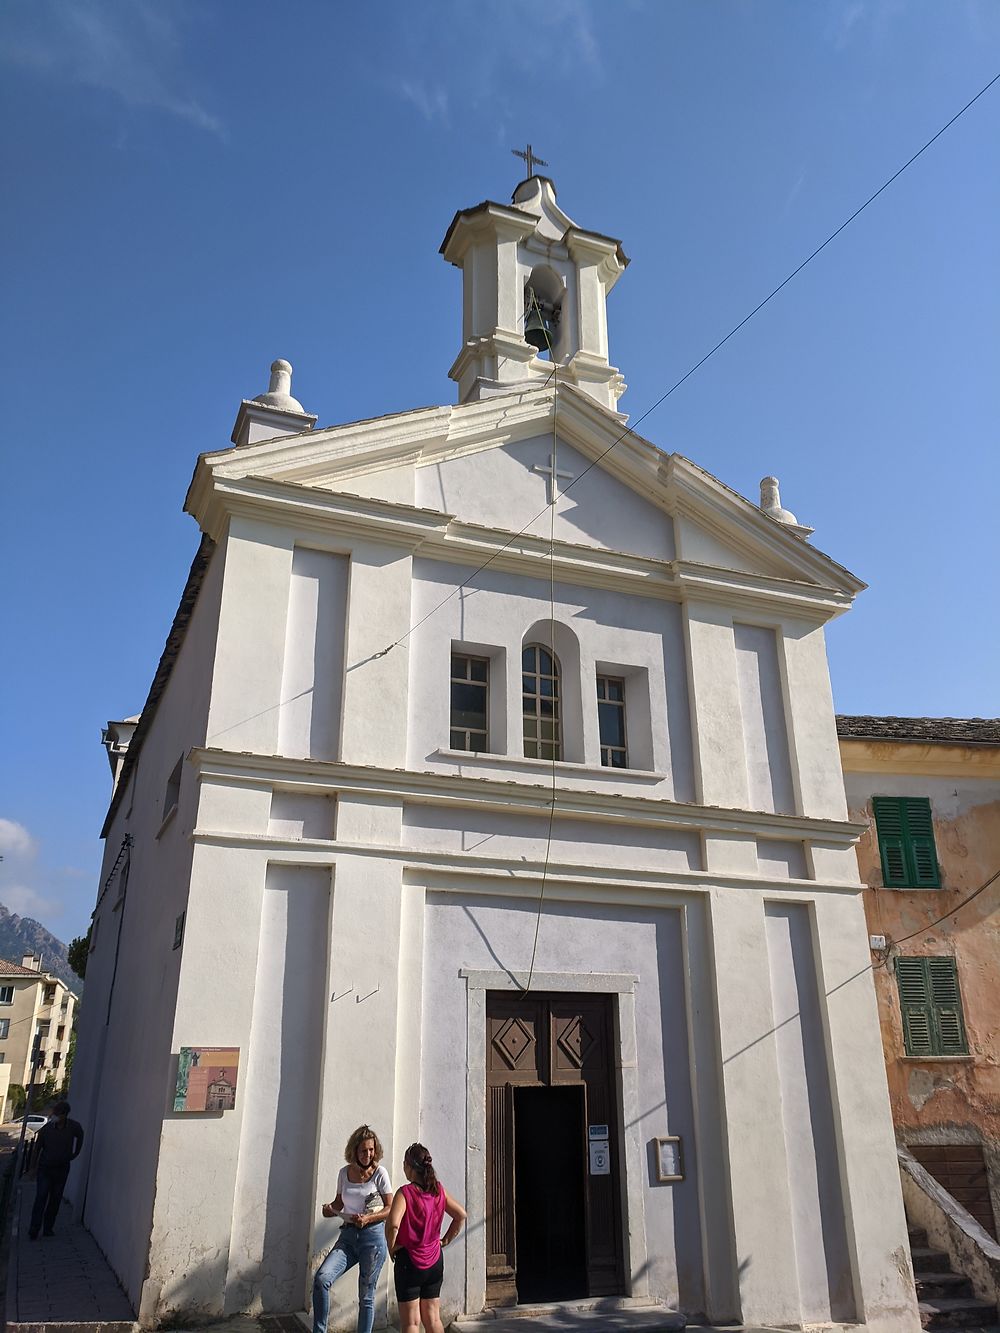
x=568, y=880
x=736, y=521
x=425, y=788
x=439, y=536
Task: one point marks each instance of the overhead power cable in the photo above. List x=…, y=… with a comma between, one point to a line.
x=630, y=430
x=951, y=911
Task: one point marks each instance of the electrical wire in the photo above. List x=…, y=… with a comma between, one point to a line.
x=951, y=912
x=556, y=696
x=629, y=430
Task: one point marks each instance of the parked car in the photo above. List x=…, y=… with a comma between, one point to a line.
x=35, y=1122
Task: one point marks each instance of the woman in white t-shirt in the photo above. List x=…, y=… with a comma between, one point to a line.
x=363, y=1199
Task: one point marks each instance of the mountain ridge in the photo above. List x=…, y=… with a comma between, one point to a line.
x=23, y=934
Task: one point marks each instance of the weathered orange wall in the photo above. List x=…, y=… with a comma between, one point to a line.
x=942, y=1092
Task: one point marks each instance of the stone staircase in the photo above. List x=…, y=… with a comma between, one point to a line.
x=945, y=1299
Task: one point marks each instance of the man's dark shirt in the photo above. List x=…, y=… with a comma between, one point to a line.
x=57, y=1144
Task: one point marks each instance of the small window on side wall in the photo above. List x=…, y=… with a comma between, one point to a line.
x=611, y=721
x=6, y=994
x=931, y=1006
x=470, y=689
x=905, y=832
x=173, y=790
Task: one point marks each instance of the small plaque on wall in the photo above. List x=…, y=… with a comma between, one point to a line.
x=669, y=1158
x=206, y=1078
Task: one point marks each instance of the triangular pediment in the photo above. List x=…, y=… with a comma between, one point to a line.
x=487, y=464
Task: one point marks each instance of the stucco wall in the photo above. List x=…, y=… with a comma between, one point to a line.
x=493, y=486
x=122, y=1067
x=953, y=1100
x=944, y=1093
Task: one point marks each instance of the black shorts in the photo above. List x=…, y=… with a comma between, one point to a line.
x=417, y=1284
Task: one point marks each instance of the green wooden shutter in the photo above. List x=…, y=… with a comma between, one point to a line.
x=890, y=825
x=931, y=1005
x=923, y=853
x=906, y=842
x=947, y=1002
x=915, y=1003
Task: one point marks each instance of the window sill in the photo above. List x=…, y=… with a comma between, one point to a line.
x=546, y=765
x=167, y=819
x=937, y=1059
x=909, y=888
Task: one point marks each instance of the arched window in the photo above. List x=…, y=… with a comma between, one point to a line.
x=540, y=703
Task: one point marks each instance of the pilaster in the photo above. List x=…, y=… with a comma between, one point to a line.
x=375, y=681
x=754, y=1140
x=873, y=1206
x=250, y=651
x=716, y=720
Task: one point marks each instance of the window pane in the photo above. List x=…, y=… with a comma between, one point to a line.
x=528, y=684
x=477, y=740
x=468, y=706
x=616, y=758
x=545, y=662
x=616, y=689
x=528, y=659
x=478, y=667
x=612, y=723
x=458, y=666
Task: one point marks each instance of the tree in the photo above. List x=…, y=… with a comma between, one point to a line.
x=79, y=952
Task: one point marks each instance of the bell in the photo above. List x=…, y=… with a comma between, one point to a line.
x=536, y=330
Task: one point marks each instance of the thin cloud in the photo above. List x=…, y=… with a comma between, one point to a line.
x=855, y=18
x=15, y=840
x=476, y=50
x=25, y=901
x=431, y=102
x=129, y=51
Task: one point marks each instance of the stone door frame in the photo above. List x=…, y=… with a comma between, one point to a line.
x=620, y=986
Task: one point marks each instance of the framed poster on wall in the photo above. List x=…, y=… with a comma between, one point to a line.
x=206, y=1078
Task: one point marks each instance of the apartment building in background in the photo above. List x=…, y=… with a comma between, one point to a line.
x=32, y=1001
x=929, y=790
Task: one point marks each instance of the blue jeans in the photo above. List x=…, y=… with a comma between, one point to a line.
x=365, y=1247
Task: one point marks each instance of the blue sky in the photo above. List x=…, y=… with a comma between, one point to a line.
x=193, y=190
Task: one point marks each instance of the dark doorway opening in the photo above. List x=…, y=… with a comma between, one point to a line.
x=550, y=1193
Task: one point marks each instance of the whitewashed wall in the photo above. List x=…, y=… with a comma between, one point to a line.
x=121, y=1085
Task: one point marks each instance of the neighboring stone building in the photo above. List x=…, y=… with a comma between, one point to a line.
x=33, y=1002
x=526, y=838
x=929, y=790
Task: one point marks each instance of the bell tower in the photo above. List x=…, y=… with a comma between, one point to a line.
x=534, y=294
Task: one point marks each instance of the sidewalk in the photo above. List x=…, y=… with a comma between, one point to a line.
x=62, y=1279
x=63, y=1284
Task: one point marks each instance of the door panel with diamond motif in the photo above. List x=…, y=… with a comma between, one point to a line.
x=549, y=1041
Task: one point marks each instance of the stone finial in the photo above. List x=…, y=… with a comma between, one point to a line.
x=770, y=502
x=279, y=391
x=273, y=413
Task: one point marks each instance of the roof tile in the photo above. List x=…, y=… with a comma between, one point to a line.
x=948, y=730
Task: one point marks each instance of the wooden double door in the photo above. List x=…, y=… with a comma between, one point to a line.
x=554, y=1226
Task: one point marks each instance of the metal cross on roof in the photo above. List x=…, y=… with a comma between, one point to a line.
x=529, y=157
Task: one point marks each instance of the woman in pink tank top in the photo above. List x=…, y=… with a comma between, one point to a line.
x=413, y=1232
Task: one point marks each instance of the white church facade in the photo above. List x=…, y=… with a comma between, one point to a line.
x=488, y=792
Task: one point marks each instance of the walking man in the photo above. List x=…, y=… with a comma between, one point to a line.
x=55, y=1146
